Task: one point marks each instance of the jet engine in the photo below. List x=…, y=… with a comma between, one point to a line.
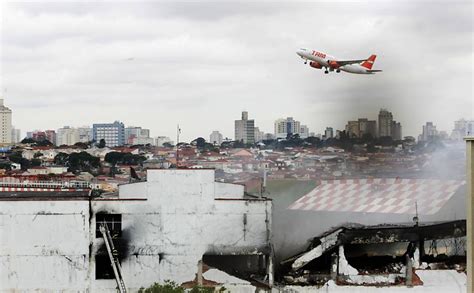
x=315, y=65
x=333, y=64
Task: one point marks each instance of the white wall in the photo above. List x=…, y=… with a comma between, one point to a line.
x=44, y=245
x=169, y=223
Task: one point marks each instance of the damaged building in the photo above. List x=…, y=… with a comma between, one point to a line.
x=383, y=255
x=165, y=228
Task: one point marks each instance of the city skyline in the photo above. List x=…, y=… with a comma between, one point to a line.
x=166, y=64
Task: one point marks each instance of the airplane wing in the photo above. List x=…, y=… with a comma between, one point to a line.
x=346, y=62
x=374, y=70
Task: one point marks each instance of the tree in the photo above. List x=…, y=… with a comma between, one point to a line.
x=83, y=162
x=35, y=162
x=28, y=140
x=61, y=159
x=44, y=142
x=6, y=165
x=168, y=145
x=16, y=157
x=101, y=144
x=113, y=158
x=81, y=145
x=312, y=140
x=200, y=142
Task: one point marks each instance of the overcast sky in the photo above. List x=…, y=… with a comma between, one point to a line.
x=200, y=64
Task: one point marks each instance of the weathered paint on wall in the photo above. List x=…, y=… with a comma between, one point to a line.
x=168, y=223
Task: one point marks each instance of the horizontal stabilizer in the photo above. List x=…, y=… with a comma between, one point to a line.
x=373, y=71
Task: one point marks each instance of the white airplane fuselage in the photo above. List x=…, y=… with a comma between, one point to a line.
x=324, y=60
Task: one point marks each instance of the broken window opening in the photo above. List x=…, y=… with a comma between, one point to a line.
x=241, y=266
x=113, y=222
x=103, y=268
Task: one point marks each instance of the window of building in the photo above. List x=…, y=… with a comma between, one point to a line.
x=113, y=222
x=103, y=268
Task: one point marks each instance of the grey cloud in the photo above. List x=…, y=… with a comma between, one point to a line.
x=191, y=60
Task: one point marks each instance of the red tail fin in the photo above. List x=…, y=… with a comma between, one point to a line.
x=369, y=62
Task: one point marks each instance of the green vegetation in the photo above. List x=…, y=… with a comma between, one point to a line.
x=115, y=158
x=172, y=287
x=31, y=141
x=78, y=162
x=16, y=157
x=101, y=144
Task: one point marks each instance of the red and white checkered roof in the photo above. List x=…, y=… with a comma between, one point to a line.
x=384, y=195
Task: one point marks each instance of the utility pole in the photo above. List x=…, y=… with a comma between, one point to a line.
x=470, y=210
x=178, y=131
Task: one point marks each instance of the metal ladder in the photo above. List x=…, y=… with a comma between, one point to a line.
x=113, y=258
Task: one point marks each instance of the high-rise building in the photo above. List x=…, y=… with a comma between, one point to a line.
x=352, y=128
x=284, y=127
x=16, y=135
x=85, y=134
x=259, y=135
x=5, y=124
x=304, y=131
x=50, y=135
x=67, y=136
x=137, y=135
x=161, y=140
x=396, y=130
x=329, y=133
x=361, y=127
x=462, y=128
x=385, y=123
x=36, y=135
x=245, y=129
x=429, y=132
x=215, y=138
x=112, y=133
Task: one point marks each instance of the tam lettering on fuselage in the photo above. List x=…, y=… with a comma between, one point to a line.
x=321, y=60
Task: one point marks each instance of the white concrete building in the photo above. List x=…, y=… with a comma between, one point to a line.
x=259, y=135
x=304, y=131
x=164, y=227
x=283, y=127
x=137, y=135
x=67, y=136
x=161, y=140
x=16, y=135
x=5, y=124
x=245, y=129
x=462, y=128
x=216, y=138
x=85, y=134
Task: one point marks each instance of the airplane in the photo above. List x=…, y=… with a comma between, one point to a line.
x=319, y=60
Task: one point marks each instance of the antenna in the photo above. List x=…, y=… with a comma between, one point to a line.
x=415, y=218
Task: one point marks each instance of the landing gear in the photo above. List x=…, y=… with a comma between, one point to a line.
x=338, y=70
x=306, y=62
x=326, y=72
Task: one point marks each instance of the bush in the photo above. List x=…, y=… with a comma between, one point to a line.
x=167, y=287
x=172, y=287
